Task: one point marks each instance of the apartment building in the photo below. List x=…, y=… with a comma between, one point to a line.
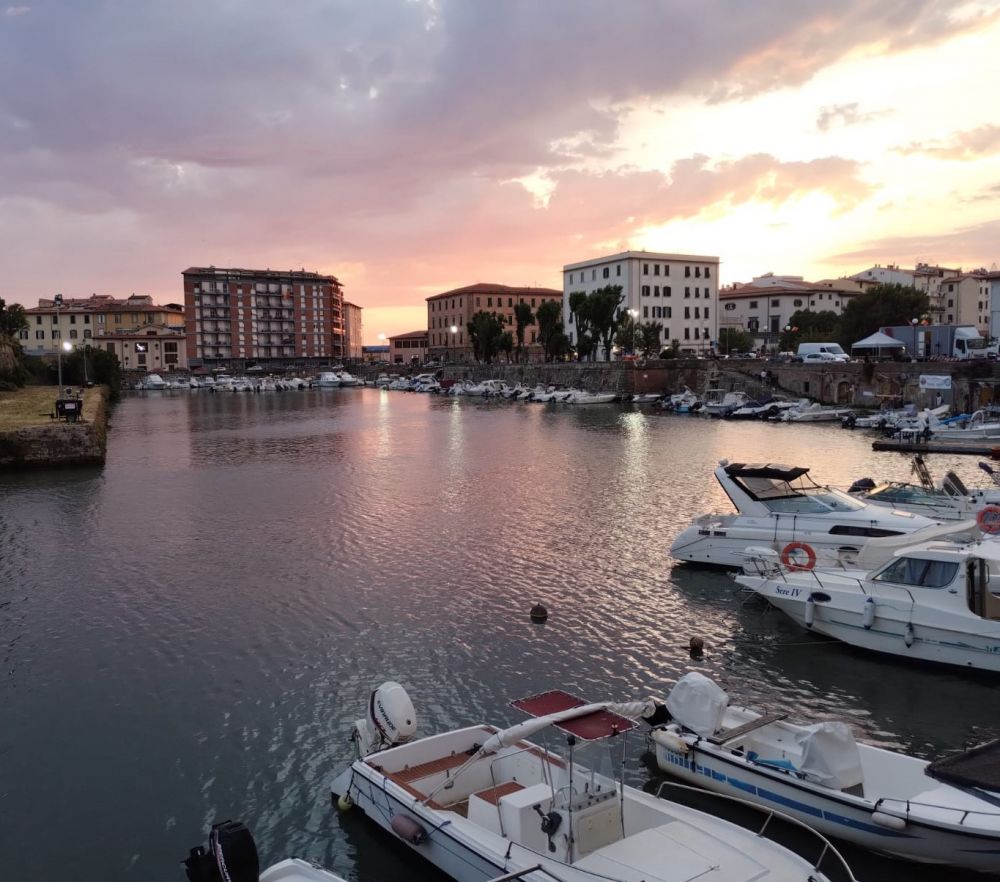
x=353, y=332
x=270, y=318
x=151, y=348
x=965, y=300
x=765, y=305
x=678, y=290
x=448, y=315
x=924, y=277
x=78, y=320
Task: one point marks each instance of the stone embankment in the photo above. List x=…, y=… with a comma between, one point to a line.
x=854, y=384
x=30, y=438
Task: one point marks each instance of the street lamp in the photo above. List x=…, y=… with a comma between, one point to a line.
x=635, y=314
x=914, y=322
x=57, y=301
x=381, y=341
x=454, y=331
x=67, y=346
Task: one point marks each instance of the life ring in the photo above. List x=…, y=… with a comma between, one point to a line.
x=792, y=547
x=989, y=519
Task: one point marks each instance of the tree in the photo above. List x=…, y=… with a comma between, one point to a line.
x=879, y=307
x=101, y=367
x=506, y=344
x=12, y=319
x=627, y=337
x=579, y=312
x=549, y=318
x=650, y=335
x=604, y=316
x=485, y=332
x=734, y=340
x=673, y=350
x=523, y=316
x=808, y=326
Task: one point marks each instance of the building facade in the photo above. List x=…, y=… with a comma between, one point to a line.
x=408, y=348
x=764, y=306
x=965, y=300
x=152, y=348
x=353, y=332
x=270, y=318
x=924, y=277
x=78, y=320
x=678, y=290
x=448, y=315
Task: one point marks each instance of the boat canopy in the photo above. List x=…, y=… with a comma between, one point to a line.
x=764, y=470
x=588, y=722
x=978, y=767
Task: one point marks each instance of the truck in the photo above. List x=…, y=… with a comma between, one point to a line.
x=943, y=341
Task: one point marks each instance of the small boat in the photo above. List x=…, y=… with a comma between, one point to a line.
x=880, y=799
x=936, y=600
x=645, y=398
x=328, y=380
x=348, y=380
x=482, y=802
x=720, y=403
x=782, y=508
x=814, y=413
x=981, y=426
x=153, y=382
x=383, y=380
x=584, y=397
x=683, y=402
x=232, y=857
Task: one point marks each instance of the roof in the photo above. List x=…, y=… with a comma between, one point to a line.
x=765, y=470
x=642, y=255
x=878, y=340
x=494, y=288
x=256, y=273
x=101, y=303
x=806, y=289
x=408, y=334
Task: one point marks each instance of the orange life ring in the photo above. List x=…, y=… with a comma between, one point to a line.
x=989, y=519
x=792, y=547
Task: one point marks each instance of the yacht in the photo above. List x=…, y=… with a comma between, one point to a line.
x=783, y=508
x=483, y=802
x=936, y=600
x=881, y=799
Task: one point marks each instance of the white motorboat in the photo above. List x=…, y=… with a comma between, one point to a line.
x=683, y=402
x=981, y=426
x=383, y=380
x=480, y=802
x=645, y=397
x=879, y=799
x=328, y=380
x=814, y=413
x=784, y=509
x=720, y=403
x=153, y=382
x=232, y=857
x=936, y=600
x=348, y=379
x=584, y=397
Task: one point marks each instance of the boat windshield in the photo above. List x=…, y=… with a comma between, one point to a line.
x=907, y=494
x=800, y=496
x=919, y=572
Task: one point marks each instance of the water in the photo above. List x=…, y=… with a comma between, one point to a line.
x=187, y=633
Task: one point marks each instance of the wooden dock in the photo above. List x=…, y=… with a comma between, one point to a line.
x=983, y=448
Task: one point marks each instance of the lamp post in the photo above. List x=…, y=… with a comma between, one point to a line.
x=454, y=330
x=67, y=346
x=57, y=301
x=381, y=342
x=634, y=313
x=914, y=322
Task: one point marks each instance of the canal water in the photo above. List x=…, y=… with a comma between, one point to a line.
x=187, y=633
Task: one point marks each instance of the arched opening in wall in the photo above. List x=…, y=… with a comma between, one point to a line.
x=843, y=393
x=888, y=386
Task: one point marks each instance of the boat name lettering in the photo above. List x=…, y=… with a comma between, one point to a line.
x=787, y=592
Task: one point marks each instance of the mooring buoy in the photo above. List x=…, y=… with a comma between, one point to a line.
x=539, y=613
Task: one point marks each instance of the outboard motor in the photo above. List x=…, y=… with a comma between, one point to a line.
x=231, y=856
x=862, y=485
x=391, y=720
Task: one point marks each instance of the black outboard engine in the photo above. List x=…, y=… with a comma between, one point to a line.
x=231, y=856
x=861, y=485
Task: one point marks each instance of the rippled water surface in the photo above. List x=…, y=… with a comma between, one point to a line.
x=187, y=633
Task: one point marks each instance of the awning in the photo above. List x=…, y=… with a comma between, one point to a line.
x=878, y=340
x=765, y=470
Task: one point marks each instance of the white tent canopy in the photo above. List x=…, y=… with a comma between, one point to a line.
x=878, y=340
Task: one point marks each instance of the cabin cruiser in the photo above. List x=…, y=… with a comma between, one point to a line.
x=581, y=396
x=152, y=382
x=482, y=802
x=936, y=600
x=720, y=403
x=328, y=380
x=348, y=379
x=779, y=506
x=950, y=500
x=880, y=799
x=232, y=857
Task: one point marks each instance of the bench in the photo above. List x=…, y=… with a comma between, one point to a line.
x=740, y=731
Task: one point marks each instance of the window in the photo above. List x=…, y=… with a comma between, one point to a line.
x=687, y=272
x=706, y=312
x=666, y=290
x=86, y=319
x=687, y=292
x=697, y=292
x=607, y=272
x=697, y=313
x=656, y=269
x=39, y=335
x=645, y=312
x=753, y=304
x=951, y=303
x=618, y=270
x=707, y=276
x=656, y=290
x=775, y=302
x=919, y=573
x=489, y=301
x=730, y=307
x=571, y=278
x=645, y=290
x=645, y=269
x=55, y=319
x=510, y=302
x=687, y=333
x=55, y=334
x=38, y=319
x=72, y=333
x=697, y=272
x=687, y=312
x=796, y=303
x=593, y=275
x=72, y=319
x=668, y=312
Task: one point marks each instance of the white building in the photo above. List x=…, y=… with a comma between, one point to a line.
x=765, y=305
x=991, y=282
x=924, y=277
x=678, y=290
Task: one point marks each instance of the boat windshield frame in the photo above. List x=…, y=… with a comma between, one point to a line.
x=799, y=494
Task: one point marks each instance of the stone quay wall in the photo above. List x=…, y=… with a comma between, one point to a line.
x=60, y=443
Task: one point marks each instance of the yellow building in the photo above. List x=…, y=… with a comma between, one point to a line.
x=151, y=348
x=353, y=332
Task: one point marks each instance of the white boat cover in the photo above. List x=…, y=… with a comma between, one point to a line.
x=830, y=755
x=697, y=703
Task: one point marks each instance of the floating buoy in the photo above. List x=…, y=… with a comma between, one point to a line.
x=868, y=616
x=890, y=821
x=408, y=829
x=344, y=802
x=810, y=613
x=908, y=635
x=697, y=646
x=671, y=740
x=539, y=613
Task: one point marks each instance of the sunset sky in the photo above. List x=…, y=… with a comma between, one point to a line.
x=412, y=146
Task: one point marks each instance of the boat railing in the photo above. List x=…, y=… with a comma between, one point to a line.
x=827, y=850
x=520, y=874
x=905, y=805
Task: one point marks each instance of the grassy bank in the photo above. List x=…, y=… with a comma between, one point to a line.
x=32, y=405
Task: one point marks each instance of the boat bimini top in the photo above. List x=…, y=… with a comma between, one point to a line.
x=782, y=489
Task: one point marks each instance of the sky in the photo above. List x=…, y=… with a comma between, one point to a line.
x=413, y=146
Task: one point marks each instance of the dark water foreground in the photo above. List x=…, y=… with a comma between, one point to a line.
x=187, y=633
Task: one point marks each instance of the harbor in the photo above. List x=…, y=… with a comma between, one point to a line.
x=230, y=689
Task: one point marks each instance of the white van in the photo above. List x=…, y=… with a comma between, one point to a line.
x=814, y=352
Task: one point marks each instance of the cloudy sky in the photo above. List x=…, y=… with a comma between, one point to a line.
x=412, y=146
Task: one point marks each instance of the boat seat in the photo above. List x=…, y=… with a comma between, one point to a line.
x=494, y=794
x=431, y=767
x=728, y=735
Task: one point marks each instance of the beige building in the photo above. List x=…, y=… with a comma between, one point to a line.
x=408, y=348
x=965, y=300
x=353, y=332
x=151, y=348
x=78, y=320
x=449, y=314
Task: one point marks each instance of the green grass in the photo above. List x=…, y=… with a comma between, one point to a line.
x=32, y=405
